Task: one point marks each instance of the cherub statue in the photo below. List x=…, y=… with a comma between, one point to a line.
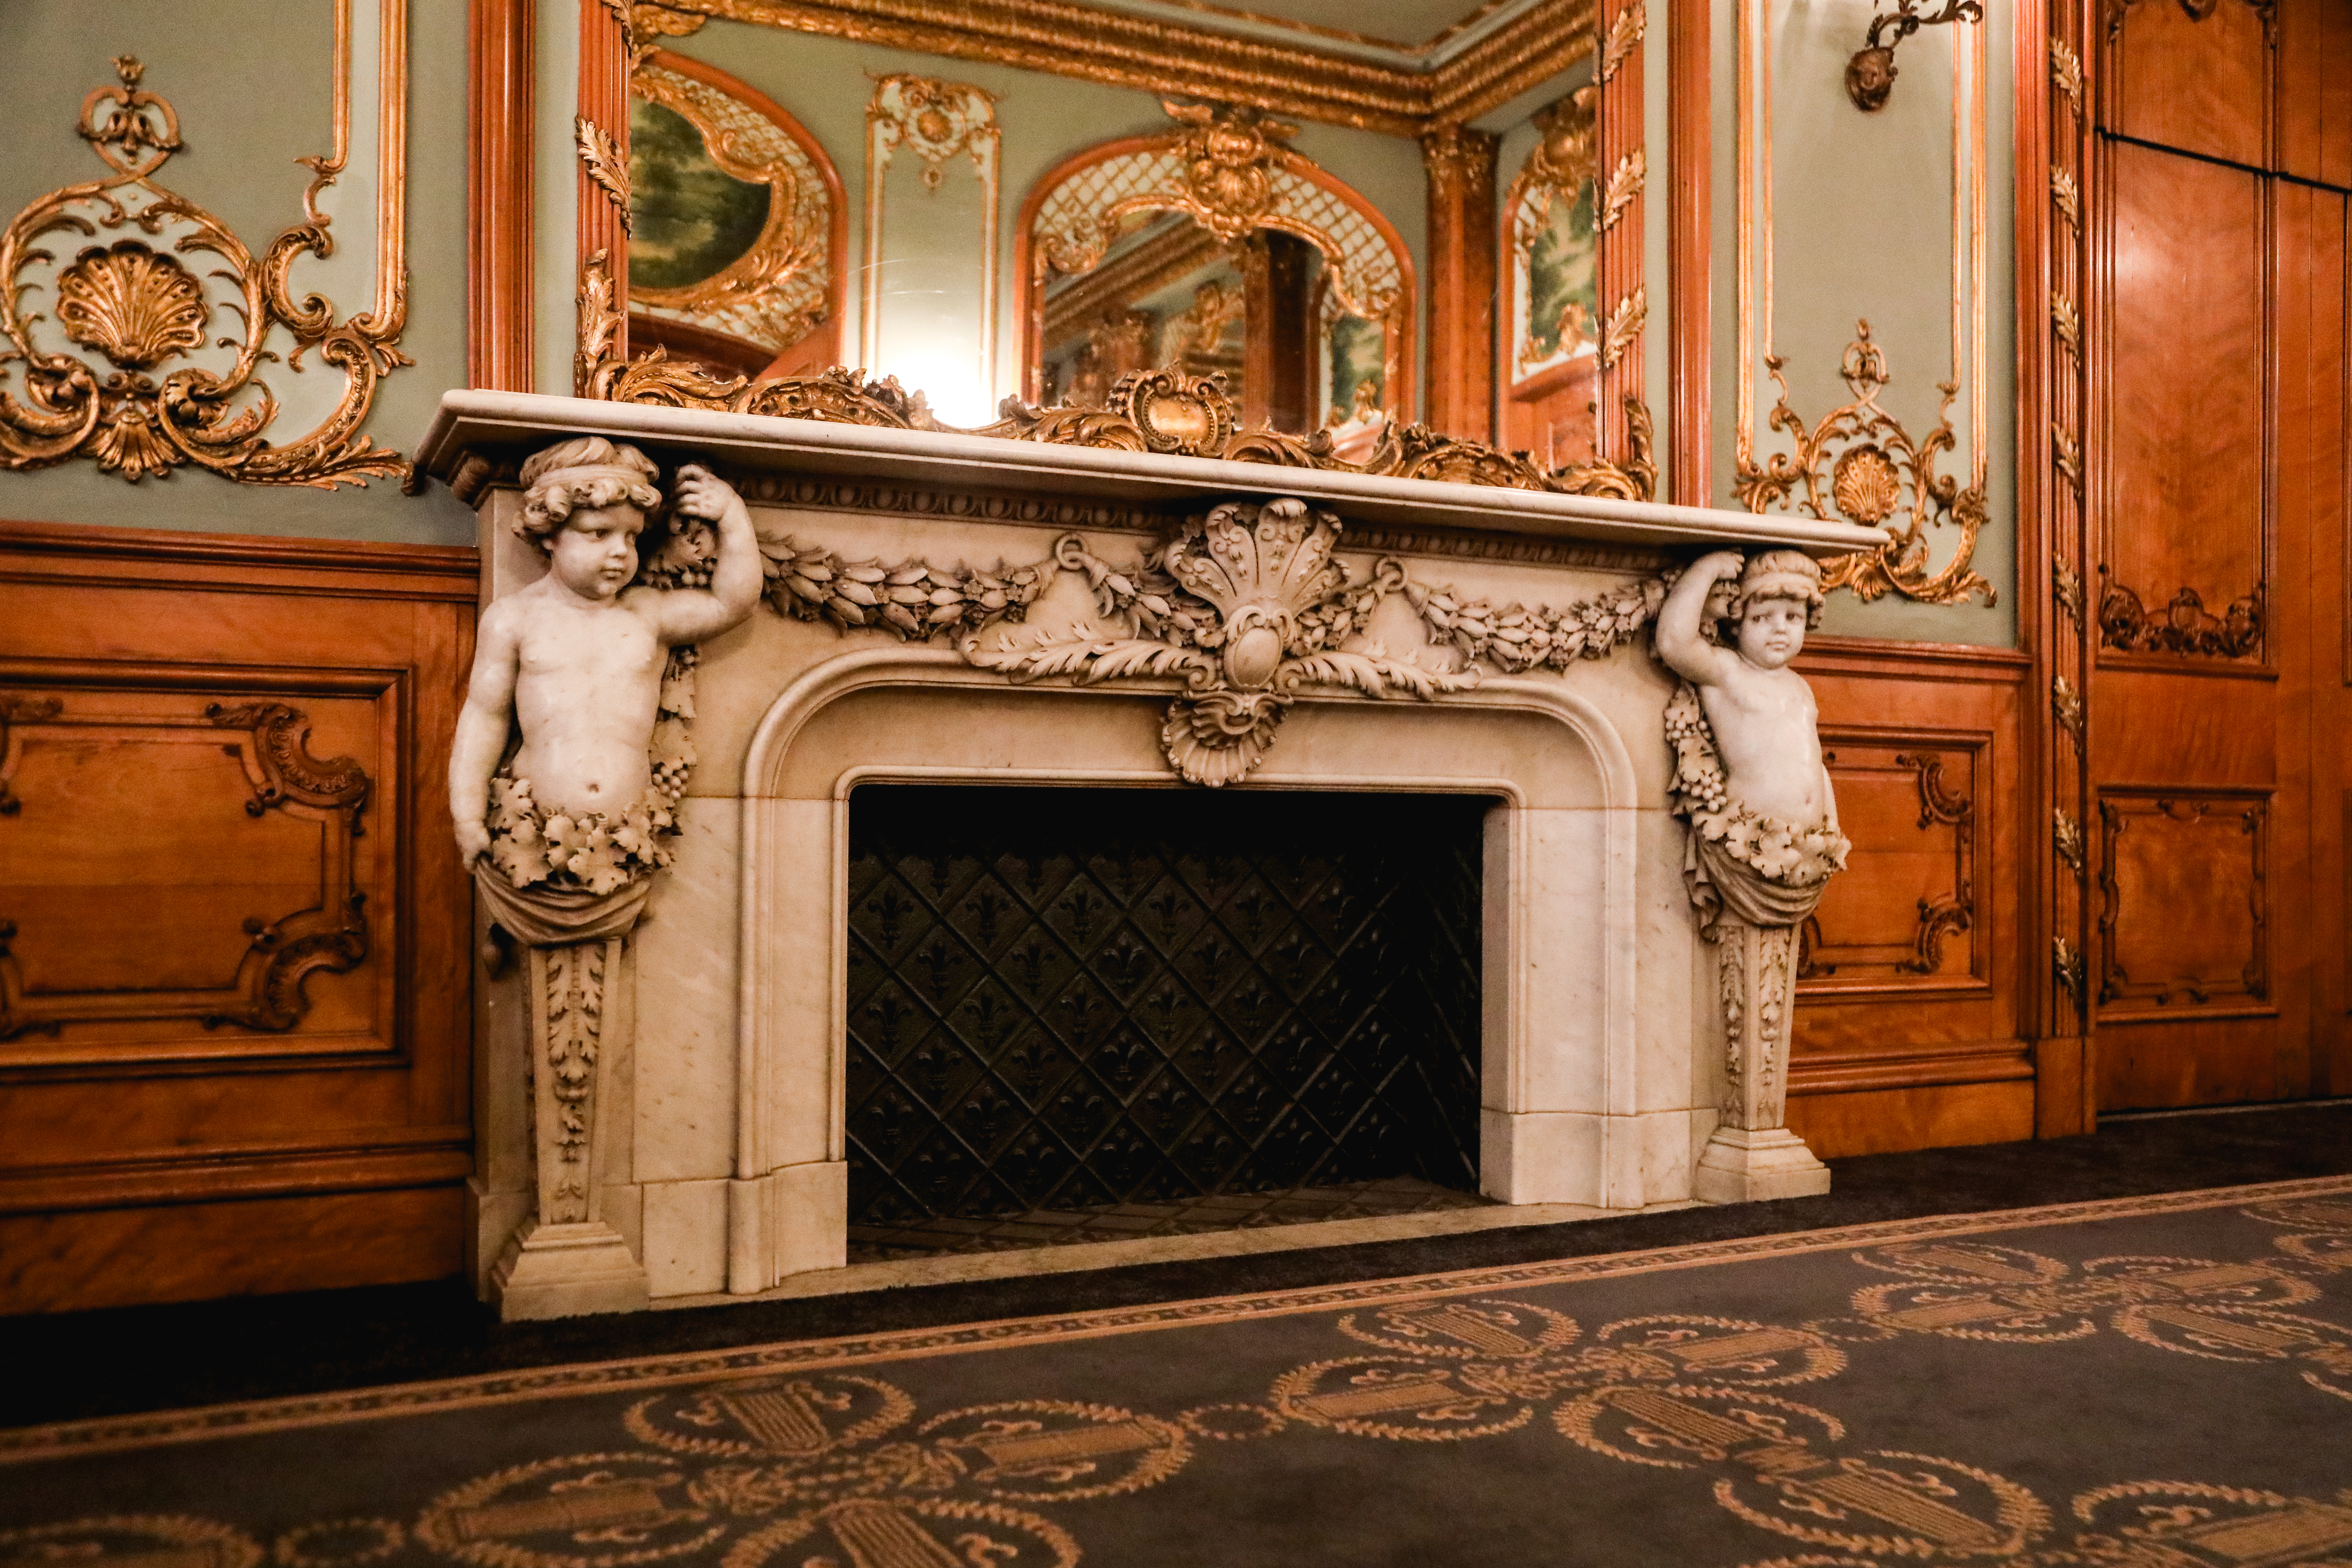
x=1748, y=773
x=577, y=659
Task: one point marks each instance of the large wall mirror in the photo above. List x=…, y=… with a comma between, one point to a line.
x=1216, y=248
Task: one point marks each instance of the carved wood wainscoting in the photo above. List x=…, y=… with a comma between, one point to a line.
x=234, y=994
x=1910, y=1029
x=2212, y=834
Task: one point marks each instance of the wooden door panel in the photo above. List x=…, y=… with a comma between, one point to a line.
x=2188, y=81
x=2185, y=454
x=2314, y=105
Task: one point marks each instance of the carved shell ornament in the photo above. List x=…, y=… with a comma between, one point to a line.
x=145, y=402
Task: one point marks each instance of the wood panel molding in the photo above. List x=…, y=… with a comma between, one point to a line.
x=2174, y=866
x=1868, y=943
x=268, y=742
x=243, y=946
x=1690, y=163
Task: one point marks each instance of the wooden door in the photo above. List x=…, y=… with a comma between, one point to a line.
x=2218, y=714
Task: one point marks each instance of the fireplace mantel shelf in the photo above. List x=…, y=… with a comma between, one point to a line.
x=499, y=426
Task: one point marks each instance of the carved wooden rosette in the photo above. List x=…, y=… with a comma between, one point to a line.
x=132, y=394
x=266, y=742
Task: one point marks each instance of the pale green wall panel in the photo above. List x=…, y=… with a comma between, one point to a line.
x=252, y=87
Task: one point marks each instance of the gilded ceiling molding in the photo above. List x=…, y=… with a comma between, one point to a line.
x=1149, y=410
x=1064, y=38
x=157, y=370
x=1230, y=171
x=1860, y=462
x=788, y=283
x=1883, y=453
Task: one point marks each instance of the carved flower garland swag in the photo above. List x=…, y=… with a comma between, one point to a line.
x=1245, y=604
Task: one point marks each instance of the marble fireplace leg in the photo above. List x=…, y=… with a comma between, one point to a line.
x=564, y=1260
x=1752, y=1155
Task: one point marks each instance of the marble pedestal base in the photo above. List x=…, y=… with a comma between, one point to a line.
x=567, y=1271
x=1738, y=1166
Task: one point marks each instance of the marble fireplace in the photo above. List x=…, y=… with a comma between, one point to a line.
x=714, y=1139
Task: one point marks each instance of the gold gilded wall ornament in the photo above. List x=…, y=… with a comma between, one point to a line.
x=175, y=344
x=1869, y=74
x=607, y=169
x=2066, y=73
x=1626, y=182
x=1625, y=324
x=1860, y=463
x=1623, y=34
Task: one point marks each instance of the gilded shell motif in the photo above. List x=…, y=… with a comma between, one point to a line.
x=133, y=305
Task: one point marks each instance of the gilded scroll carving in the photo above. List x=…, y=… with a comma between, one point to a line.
x=1147, y=411
x=153, y=392
x=2183, y=626
x=1860, y=462
x=268, y=744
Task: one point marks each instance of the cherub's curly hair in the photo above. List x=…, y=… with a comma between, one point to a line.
x=1776, y=574
x=585, y=471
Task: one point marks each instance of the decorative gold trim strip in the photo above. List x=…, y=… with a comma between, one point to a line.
x=1068, y=40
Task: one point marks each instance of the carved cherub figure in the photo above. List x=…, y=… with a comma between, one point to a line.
x=1748, y=768
x=578, y=656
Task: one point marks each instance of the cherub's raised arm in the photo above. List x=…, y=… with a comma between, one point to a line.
x=482, y=725
x=1676, y=631
x=690, y=615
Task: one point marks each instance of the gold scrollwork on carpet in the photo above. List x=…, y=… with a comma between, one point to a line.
x=1860, y=464
x=141, y=384
x=2320, y=1229
x=872, y=1532
x=795, y=1417
x=159, y=1539
x=580, y=1510
x=1057, y=1451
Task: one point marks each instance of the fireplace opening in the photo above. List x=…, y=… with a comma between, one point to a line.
x=1086, y=1014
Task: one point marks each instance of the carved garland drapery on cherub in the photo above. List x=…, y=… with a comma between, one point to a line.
x=139, y=306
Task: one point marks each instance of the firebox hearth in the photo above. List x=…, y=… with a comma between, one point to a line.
x=1086, y=1012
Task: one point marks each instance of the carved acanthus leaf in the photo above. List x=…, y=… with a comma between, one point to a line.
x=1625, y=324
x=2068, y=198
x=2066, y=73
x=606, y=167
x=2066, y=838
x=2066, y=588
x=1624, y=35
x=1626, y=182
x=2066, y=707
x=2066, y=321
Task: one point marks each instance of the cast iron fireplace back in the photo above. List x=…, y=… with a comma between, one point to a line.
x=1064, y=998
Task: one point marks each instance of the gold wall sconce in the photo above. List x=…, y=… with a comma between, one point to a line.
x=1870, y=75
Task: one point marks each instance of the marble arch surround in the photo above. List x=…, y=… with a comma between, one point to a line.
x=1593, y=1091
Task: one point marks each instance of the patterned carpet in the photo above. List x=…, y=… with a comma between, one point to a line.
x=2150, y=1383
